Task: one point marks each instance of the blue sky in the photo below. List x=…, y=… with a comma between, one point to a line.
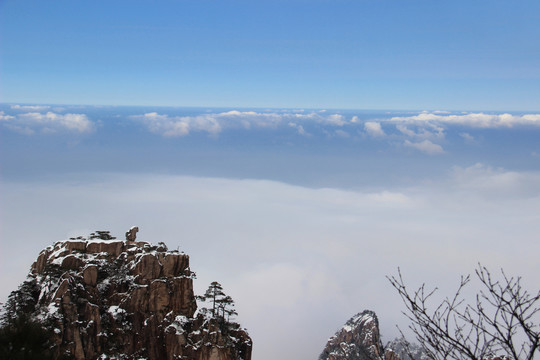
x=457, y=55
x=244, y=133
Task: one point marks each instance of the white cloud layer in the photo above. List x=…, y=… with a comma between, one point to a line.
x=467, y=137
x=482, y=179
x=215, y=123
x=335, y=119
x=298, y=261
x=30, y=107
x=299, y=128
x=425, y=146
x=373, y=128
x=4, y=117
x=480, y=120
x=50, y=122
x=426, y=131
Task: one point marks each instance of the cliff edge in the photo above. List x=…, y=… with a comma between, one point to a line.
x=102, y=298
x=358, y=339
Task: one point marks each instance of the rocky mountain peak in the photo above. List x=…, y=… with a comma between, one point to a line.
x=358, y=339
x=106, y=298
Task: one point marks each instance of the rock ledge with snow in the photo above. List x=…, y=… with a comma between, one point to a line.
x=110, y=299
x=358, y=339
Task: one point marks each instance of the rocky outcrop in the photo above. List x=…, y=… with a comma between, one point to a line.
x=359, y=339
x=401, y=349
x=126, y=300
x=131, y=235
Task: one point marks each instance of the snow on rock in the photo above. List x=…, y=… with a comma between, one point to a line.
x=116, y=312
x=358, y=339
x=104, y=298
x=400, y=348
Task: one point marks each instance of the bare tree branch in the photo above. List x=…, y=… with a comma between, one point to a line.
x=504, y=321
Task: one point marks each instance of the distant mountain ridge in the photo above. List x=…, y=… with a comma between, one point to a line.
x=102, y=298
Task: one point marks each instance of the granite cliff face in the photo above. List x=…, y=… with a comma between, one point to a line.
x=358, y=339
x=109, y=299
x=401, y=349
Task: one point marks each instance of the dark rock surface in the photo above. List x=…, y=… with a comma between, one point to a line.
x=111, y=299
x=358, y=339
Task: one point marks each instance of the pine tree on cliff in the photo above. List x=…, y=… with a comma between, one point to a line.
x=21, y=337
x=227, y=307
x=24, y=339
x=222, y=304
x=215, y=294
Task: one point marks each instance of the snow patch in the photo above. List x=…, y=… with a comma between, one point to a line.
x=116, y=312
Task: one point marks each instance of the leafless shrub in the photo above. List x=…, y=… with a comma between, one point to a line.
x=503, y=322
